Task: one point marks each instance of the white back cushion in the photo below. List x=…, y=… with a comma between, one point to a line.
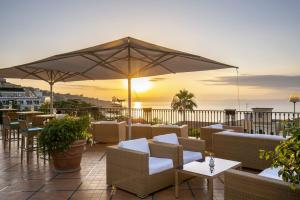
x=140, y=144
x=217, y=126
x=190, y=156
x=170, y=138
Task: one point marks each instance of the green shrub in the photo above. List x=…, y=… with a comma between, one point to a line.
x=59, y=134
x=287, y=155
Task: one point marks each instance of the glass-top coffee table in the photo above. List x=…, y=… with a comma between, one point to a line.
x=202, y=169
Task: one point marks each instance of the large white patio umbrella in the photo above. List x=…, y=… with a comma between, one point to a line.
x=125, y=58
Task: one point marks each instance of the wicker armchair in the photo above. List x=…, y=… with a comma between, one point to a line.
x=140, y=131
x=108, y=131
x=207, y=131
x=129, y=169
x=181, y=131
x=241, y=185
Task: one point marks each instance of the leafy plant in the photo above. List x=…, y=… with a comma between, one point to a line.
x=194, y=132
x=156, y=121
x=182, y=101
x=59, y=134
x=287, y=155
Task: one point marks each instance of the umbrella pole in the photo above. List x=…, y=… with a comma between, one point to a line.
x=129, y=107
x=51, y=98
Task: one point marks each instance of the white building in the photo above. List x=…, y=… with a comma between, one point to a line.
x=24, y=98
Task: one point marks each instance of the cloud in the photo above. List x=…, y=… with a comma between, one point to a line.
x=266, y=81
x=85, y=87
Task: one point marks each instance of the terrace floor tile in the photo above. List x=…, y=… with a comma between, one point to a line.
x=37, y=180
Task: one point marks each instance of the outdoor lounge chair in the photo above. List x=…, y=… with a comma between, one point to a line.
x=141, y=167
x=181, y=131
x=207, y=131
x=240, y=185
x=191, y=149
x=140, y=131
x=108, y=131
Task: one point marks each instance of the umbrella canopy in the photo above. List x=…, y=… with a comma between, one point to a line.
x=125, y=58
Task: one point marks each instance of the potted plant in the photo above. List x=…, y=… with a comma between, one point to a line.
x=286, y=155
x=64, y=140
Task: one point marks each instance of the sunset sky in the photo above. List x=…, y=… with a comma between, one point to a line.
x=262, y=38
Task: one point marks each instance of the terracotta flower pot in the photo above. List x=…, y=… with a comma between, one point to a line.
x=69, y=161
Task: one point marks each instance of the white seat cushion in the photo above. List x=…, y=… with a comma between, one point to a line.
x=140, y=144
x=190, y=156
x=271, y=173
x=167, y=138
x=217, y=126
x=157, y=165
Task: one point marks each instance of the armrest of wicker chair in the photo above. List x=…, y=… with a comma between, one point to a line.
x=206, y=134
x=192, y=144
x=122, y=130
x=184, y=130
x=164, y=150
x=241, y=185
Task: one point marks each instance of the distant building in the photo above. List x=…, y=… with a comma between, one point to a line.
x=24, y=98
x=260, y=120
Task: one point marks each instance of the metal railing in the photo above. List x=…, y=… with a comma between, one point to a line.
x=252, y=122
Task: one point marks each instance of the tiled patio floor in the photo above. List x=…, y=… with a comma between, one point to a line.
x=37, y=181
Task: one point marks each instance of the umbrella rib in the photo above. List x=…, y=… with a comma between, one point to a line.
x=207, y=61
x=23, y=70
x=63, y=76
x=62, y=56
x=140, y=59
x=69, y=75
x=187, y=55
x=160, y=64
x=31, y=73
x=108, y=65
x=101, y=65
x=115, y=53
x=155, y=62
x=70, y=54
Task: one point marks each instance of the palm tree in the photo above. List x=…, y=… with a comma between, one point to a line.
x=182, y=101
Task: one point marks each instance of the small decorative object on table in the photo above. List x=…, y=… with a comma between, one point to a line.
x=211, y=163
